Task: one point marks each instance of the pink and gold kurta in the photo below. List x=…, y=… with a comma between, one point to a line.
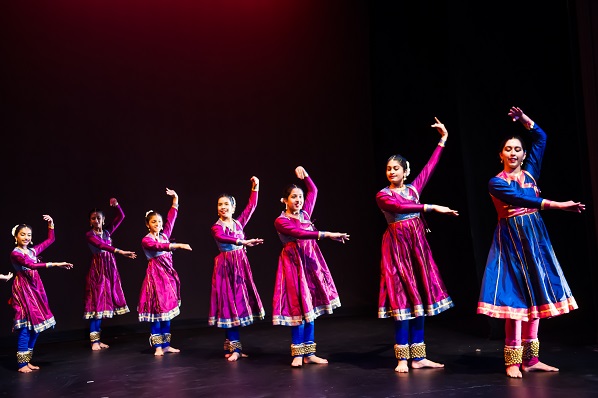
x=410, y=282
x=29, y=298
x=104, y=295
x=234, y=298
x=304, y=288
x=160, y=296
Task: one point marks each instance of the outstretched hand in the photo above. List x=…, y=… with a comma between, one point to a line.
x=338, y=236
x=183, y=246
x=113, y=202
x=253, y=242
x=6, y=277
x=128, y=254
x=63, y=265
x=445, y=210
x=300, y=172
x=171, y=192
x=575, y=207
x=440, y=127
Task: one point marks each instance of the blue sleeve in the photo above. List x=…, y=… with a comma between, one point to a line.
x=511, y=196
x=533, y=160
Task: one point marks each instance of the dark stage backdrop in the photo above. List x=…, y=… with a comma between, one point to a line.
x=124, y=99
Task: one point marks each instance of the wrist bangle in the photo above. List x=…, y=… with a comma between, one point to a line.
x=50, y=226
x=427, y=208
x=49, y=265
x=545, y=204
x=442, y=142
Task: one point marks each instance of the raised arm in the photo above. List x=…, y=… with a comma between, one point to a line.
x=252, y=204
x=422, y=178
x=172, y=212
x=120, y=216
x=49, y=240
x=312, y=191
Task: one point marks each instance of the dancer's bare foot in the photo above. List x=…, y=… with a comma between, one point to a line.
x=98, y=345
x=159, y=352
x=234, y=357
x=514, y=372
x=402, y=366
x=171, y=350
x=243, y=355
x=297, y=362
x=25, y=369
x=32, y=366
x=315, y=359
x=539, y=367
x=426, y=363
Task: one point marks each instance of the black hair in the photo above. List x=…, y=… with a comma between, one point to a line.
x=95, y=210
x=150, y=214
x=232, y=199
x=288, y=189
x=402, y=161
x=511, y=137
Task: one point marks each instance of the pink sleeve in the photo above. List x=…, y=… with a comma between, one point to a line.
x=310, y=196
x=392, y=205
x=220, y=236
x=170, y=219
x=97, y=242
x=151, y=244
x=422, y=179
x=25, y=261
x=249, y=209
x=120, y=216
x=287, y=227
x=44, y=245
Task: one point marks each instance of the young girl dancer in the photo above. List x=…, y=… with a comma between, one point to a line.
x=304, y=288
x=523, y=280
x=410, y=283
x=234, y=300
x=104, y=295
x=29, y=300
x=160, y=296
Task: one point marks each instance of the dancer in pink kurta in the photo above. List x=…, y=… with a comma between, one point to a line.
x=160, y=296
x=235, y=301
x=104, y=295
x=29, y=300
x=410, y=283
x=304, y=288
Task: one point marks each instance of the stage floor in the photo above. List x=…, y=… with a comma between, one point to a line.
x=360, y=351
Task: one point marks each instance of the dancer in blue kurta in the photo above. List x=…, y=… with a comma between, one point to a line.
x=523, y=280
